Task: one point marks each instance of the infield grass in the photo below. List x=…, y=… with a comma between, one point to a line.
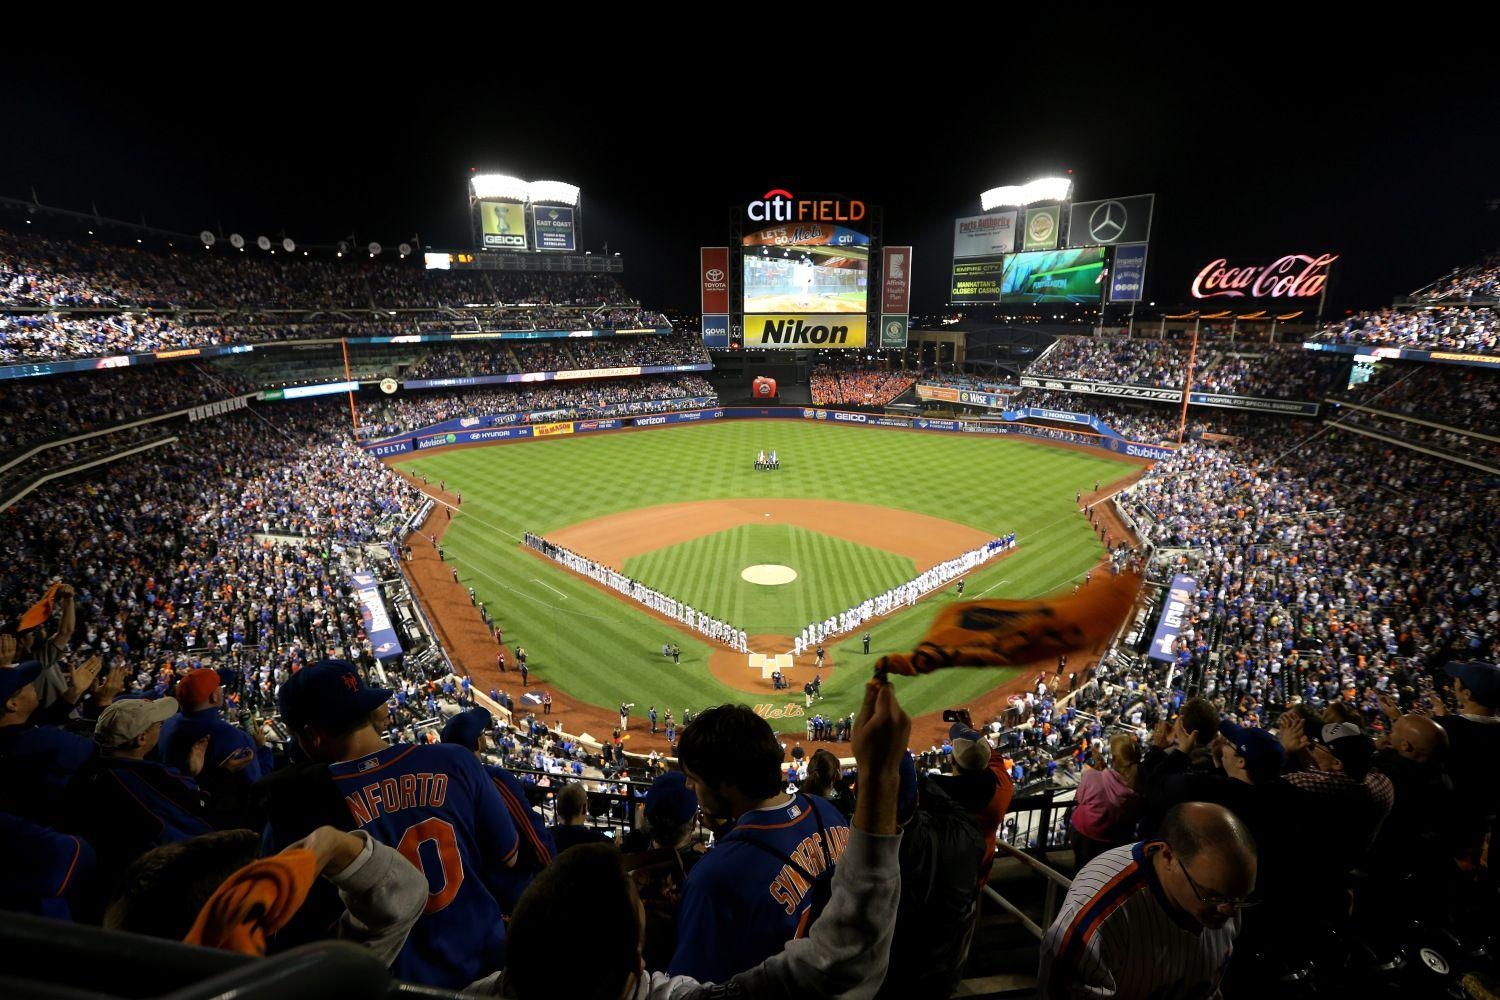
x=604, y=650
x=832, y=575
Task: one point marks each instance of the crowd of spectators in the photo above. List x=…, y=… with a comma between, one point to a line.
x=1158, y=363
x=1458, y=396
x=840, y=386
x=1138, y=422
x=1477, y=281
x=165, y=554
x=1278, y=371
x=64, y=298
x=543, y=400
x=1447, y=441
x=1328, y=560
x=552, y=356
x=1433, y=328
x=40, y=409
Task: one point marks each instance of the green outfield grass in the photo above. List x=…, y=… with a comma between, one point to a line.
x=604, y=650
x=832, y=575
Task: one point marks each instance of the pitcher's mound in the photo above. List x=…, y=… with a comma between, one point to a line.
x=768, y=574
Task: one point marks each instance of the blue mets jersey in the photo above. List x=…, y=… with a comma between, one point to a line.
x=435, y=804
x=537, y=849
x=755, y=890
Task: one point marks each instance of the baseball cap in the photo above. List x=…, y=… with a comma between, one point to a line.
x=123, y=721
x=971, y=751
x=330, y=694
x=13, y=679
x=670, y=802
x=1482, y=680
x=1262, y=750
x=1350, y=745
x=196, y=687
x=466, y=727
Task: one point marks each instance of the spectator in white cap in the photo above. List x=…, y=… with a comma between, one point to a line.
x=980, y=784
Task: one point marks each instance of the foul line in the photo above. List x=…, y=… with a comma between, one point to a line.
x=551, y=588
x=443, y=503
x=542, y=601
x=991, y=587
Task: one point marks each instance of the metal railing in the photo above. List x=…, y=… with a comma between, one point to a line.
x=1055, y=881
x=61, y=961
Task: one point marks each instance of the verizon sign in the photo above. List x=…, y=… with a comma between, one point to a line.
x=1295, y=276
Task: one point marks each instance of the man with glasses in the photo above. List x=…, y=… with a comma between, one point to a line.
x=1157, y=918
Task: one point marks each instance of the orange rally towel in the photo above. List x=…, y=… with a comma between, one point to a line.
x=39, y=612
x=1010, y=633
x=255, y=902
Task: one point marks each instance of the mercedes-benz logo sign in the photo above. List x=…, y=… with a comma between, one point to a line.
x=1107, y=222
x=714, y=274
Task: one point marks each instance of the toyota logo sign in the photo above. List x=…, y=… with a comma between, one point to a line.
x=714, y=275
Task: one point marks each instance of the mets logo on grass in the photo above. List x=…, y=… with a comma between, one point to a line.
x=781, y=332
x=791, y=710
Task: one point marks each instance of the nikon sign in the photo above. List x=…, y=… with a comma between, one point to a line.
x=804, y=332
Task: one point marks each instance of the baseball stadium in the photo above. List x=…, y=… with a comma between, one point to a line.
x=857, y=593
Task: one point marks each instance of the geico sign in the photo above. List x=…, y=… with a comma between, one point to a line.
x=780, y=205
x=1295, y=276
x=850, y=418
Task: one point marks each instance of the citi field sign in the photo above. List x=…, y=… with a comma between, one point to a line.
x=780, y=205
x=1294, y=276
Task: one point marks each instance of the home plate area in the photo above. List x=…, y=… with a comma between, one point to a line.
x=768, y=665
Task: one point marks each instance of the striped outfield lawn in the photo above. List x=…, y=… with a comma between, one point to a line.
x=603, y=650
x=832, y=575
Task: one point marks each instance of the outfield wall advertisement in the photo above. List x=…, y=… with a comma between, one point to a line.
x=1119, y=446
x=963, y=397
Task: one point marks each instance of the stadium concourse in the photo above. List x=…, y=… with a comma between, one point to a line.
x=189, y=684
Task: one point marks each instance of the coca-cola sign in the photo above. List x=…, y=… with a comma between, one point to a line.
x=1295, y=276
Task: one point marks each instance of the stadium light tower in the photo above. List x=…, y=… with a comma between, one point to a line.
x=1021, y=195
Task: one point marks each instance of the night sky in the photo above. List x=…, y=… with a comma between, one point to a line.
x=1400, y=180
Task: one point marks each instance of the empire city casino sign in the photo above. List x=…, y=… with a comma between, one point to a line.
x=780, y=205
